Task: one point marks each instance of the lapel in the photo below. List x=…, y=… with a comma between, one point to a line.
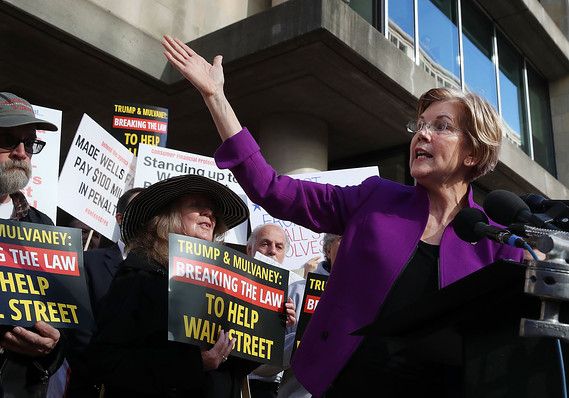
x=112, y=259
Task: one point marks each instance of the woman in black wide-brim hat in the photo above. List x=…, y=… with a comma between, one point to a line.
x=130, y=352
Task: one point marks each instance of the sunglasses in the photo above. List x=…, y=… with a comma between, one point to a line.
x=31, y=145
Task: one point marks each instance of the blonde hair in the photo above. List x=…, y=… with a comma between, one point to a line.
x=151, y=241
x=478, y=119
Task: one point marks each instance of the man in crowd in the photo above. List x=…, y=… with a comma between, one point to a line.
x=87, y=234
x=100, y=268
x=290, y=387
x=272, y=241
x=102, y=264
x=330, y=245
x=28, y=357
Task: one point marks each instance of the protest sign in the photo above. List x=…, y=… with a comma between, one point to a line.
x=42, y=276
x=315, y=284
x=213, y=287
x=96, y=172
x=40, y=192
x=157, y=164
x=135, y=124
x=304, y=243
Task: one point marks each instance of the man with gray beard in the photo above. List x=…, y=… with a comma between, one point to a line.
x=27, y=357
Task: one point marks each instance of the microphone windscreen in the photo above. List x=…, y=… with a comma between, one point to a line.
x=534, y=202
x=465, y=222
x=504, y=206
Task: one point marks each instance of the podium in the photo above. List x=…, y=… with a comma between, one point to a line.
x=474, y=324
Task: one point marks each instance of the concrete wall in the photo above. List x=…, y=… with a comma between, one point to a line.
x=558, y=10
x=129, y=30
x=186, y=19
x=559, y=95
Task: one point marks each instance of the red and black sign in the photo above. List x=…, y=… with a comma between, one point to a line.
x=42, y=277
x=213, y=287
x=315, y=284
x=134, y=124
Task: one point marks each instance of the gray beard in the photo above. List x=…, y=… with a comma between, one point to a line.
x=14, y=175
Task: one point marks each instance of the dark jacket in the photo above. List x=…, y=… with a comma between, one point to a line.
x=100, y=267
x=36, y=216
x=131, y=353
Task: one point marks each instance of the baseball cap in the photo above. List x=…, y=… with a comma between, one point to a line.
x=16, y=111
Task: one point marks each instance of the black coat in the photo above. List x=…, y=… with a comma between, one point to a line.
x=131, y=353
x=100, y=267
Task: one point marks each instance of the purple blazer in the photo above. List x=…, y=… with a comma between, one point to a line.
x=381, y=223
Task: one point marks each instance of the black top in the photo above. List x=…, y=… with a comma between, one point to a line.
x=371, y=371
x=419, y=278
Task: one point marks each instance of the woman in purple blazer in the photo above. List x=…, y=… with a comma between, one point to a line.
x=398, y=244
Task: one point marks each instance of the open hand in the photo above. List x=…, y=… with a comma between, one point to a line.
x=207, y=78
x=311, y=265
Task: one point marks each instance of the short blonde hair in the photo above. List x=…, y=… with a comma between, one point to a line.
x=151, y=241
x=478, y=119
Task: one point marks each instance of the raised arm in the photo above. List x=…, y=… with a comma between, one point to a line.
x=208, y=79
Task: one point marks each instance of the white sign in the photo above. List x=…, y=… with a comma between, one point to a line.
x=40, y=191
x=157, y=164
x=96, y=172
x=304, y=243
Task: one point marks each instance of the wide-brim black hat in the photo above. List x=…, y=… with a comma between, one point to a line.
x=229, y=206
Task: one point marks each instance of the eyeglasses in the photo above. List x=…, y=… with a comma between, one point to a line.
x=32, y=146
x=436, y=126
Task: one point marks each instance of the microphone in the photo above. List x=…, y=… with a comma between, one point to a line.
x=471, y=225
x=556, y=210
x=507, y=208
x=539, y=204
x=529, y=231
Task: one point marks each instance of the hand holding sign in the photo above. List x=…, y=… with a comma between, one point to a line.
x=290, y=313
x=29, y=343
x=219, y=352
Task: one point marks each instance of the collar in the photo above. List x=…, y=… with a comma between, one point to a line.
x=137, y=261
x=121, y=246
x=21, y=206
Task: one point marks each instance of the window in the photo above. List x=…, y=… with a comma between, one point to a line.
x=364, y=8
x=543, y=151
x=477, y=42
x=370, y=10
x=491, y=66
x=401, y=24
x=512, y=98
x=438, y=39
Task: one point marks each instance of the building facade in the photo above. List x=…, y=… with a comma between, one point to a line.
x=322, y=84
